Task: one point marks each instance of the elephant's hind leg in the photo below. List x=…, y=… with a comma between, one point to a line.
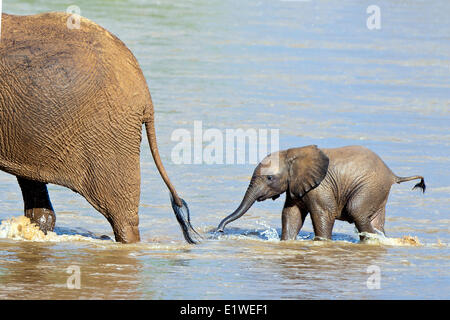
x=377, y=221
x=121, y=212
x=364, y=226
x=37, y=205
x=116, y=196
x=125, y=224
x=111, y=179
x=361, y=216
x=368, y=211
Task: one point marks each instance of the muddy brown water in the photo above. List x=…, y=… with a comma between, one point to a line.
x=314, y=71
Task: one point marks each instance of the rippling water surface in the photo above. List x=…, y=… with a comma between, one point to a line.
x=314, y=71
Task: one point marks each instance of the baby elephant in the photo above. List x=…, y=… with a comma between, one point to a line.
x=350, y=183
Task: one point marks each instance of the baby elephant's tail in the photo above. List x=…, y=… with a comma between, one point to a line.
x=420, y=185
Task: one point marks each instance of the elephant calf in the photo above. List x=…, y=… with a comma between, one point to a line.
x=350, y=183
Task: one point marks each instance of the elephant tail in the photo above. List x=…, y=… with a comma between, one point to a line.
x=179, y=206
x=420, y=185
x=151, y=136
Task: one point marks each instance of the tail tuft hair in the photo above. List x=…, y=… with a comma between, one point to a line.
x=421, y=185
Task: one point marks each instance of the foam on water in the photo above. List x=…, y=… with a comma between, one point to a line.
x=21, y=228
x=382, y=239
x=271, y=234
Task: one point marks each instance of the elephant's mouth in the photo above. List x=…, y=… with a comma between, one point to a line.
x=262, y=198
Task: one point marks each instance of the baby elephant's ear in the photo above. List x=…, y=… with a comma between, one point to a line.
x=308, y=166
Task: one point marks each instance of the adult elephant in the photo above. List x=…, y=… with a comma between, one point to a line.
x=72, y=106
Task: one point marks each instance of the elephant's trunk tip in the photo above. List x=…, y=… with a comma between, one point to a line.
x=220, y=228
x=223, y=223
x=246, y=203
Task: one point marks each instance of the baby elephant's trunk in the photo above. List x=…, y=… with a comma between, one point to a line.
x=240, y=211
x=420, y=185
x=253, y=192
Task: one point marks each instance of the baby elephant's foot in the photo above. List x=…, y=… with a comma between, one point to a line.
x=42, y=217
x=366, y=236
x=317, y=238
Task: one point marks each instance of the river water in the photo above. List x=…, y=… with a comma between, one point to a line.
x=314, y=71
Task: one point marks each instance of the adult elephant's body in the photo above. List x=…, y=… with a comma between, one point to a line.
x=72, y=106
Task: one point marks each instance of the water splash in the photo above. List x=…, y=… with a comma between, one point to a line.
x=380, y=238
x=21, y=228
x=269, y=233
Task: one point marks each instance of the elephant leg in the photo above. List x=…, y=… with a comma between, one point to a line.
x=126, y=230
x=292, y=219
x=368, y=211
x=37, y=205
x=120, y=211
x=124, y=221
x=115, y=194
x=364, y=225
x=323, y=222
x=377, y=221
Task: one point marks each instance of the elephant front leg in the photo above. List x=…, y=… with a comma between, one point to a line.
x=37, y=205
x=292, y=219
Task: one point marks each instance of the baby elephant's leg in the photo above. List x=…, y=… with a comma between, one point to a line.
x=38, y=207
x=377, y=221
x=292, y=219
x=323, y=221
x=323, y=226
x=364, y=226
x=367, y=209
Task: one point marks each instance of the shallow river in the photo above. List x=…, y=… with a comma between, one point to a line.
x=313, y=70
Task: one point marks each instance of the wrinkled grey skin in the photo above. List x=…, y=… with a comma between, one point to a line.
x=350, y=183
x=72, y=107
